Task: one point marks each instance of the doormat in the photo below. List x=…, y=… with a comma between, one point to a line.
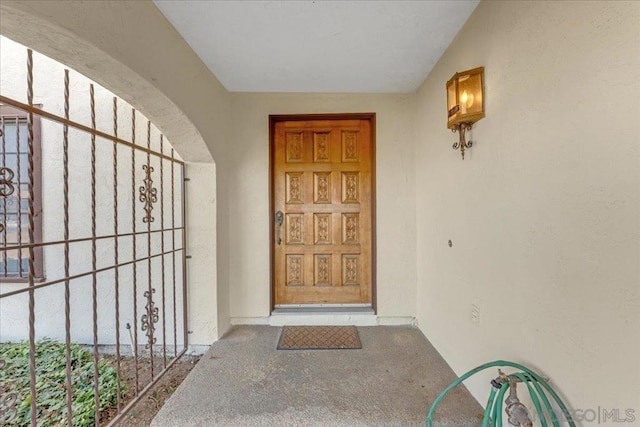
x=319, y=338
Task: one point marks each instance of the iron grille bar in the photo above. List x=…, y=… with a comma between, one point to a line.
x=115, y=251
x=94, y=261
x=4, y=200
x=151, y=312
x=67, y=290
x=164, y=311
x=184, y=260
x=135, y=268
x=173, y=256
x=80, y=275
x=30, y=109
x=32, y=300
x=84, y=239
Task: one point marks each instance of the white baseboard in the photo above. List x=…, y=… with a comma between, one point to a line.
x=317, y=319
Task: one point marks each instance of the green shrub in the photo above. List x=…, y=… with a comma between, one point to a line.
x=50, y=383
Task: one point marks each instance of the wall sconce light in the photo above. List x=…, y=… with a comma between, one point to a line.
x=465, y=104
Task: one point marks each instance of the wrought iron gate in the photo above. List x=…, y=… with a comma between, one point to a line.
x=92, y=223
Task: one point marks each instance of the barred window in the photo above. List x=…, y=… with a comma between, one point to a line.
x=14, y=196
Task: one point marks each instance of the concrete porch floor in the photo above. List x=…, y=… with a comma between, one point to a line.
x=244, y=381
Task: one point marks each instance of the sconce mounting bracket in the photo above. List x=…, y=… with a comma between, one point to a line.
x=462, y=143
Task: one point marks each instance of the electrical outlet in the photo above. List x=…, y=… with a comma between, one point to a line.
x=475, y=314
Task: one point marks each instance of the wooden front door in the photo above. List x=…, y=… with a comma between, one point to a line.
x=322, y=201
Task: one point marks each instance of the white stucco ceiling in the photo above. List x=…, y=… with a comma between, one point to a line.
x=318, y=46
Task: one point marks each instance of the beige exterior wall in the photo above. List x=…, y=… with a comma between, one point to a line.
x=249, y=197
x=544, y=212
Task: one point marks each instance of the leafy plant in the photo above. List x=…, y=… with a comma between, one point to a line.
x=51, y=383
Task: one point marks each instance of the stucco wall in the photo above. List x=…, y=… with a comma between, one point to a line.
x=544, y=212
x=249, y=196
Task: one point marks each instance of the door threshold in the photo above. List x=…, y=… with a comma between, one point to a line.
x=323, y=316
x=321, y=309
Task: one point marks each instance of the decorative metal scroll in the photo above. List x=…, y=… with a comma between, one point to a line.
x=8, y=401
x=6, y=186
x=462, y=143
x=148, y=194
x=149, y=318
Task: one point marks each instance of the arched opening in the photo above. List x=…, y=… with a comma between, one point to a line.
x=153, y=69
x=41, y=31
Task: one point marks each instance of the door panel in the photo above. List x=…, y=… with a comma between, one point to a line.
x=322, y=179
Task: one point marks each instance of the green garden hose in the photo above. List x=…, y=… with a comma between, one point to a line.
x=534, y=397
x=537, y=387
x=492, y=397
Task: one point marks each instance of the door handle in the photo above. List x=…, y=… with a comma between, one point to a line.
x=279, y=221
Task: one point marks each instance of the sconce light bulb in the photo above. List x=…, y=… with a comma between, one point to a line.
x=464, y=97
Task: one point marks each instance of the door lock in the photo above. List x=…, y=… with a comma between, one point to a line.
x=279, y=221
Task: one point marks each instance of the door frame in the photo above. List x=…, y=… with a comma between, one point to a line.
x=277, y=118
